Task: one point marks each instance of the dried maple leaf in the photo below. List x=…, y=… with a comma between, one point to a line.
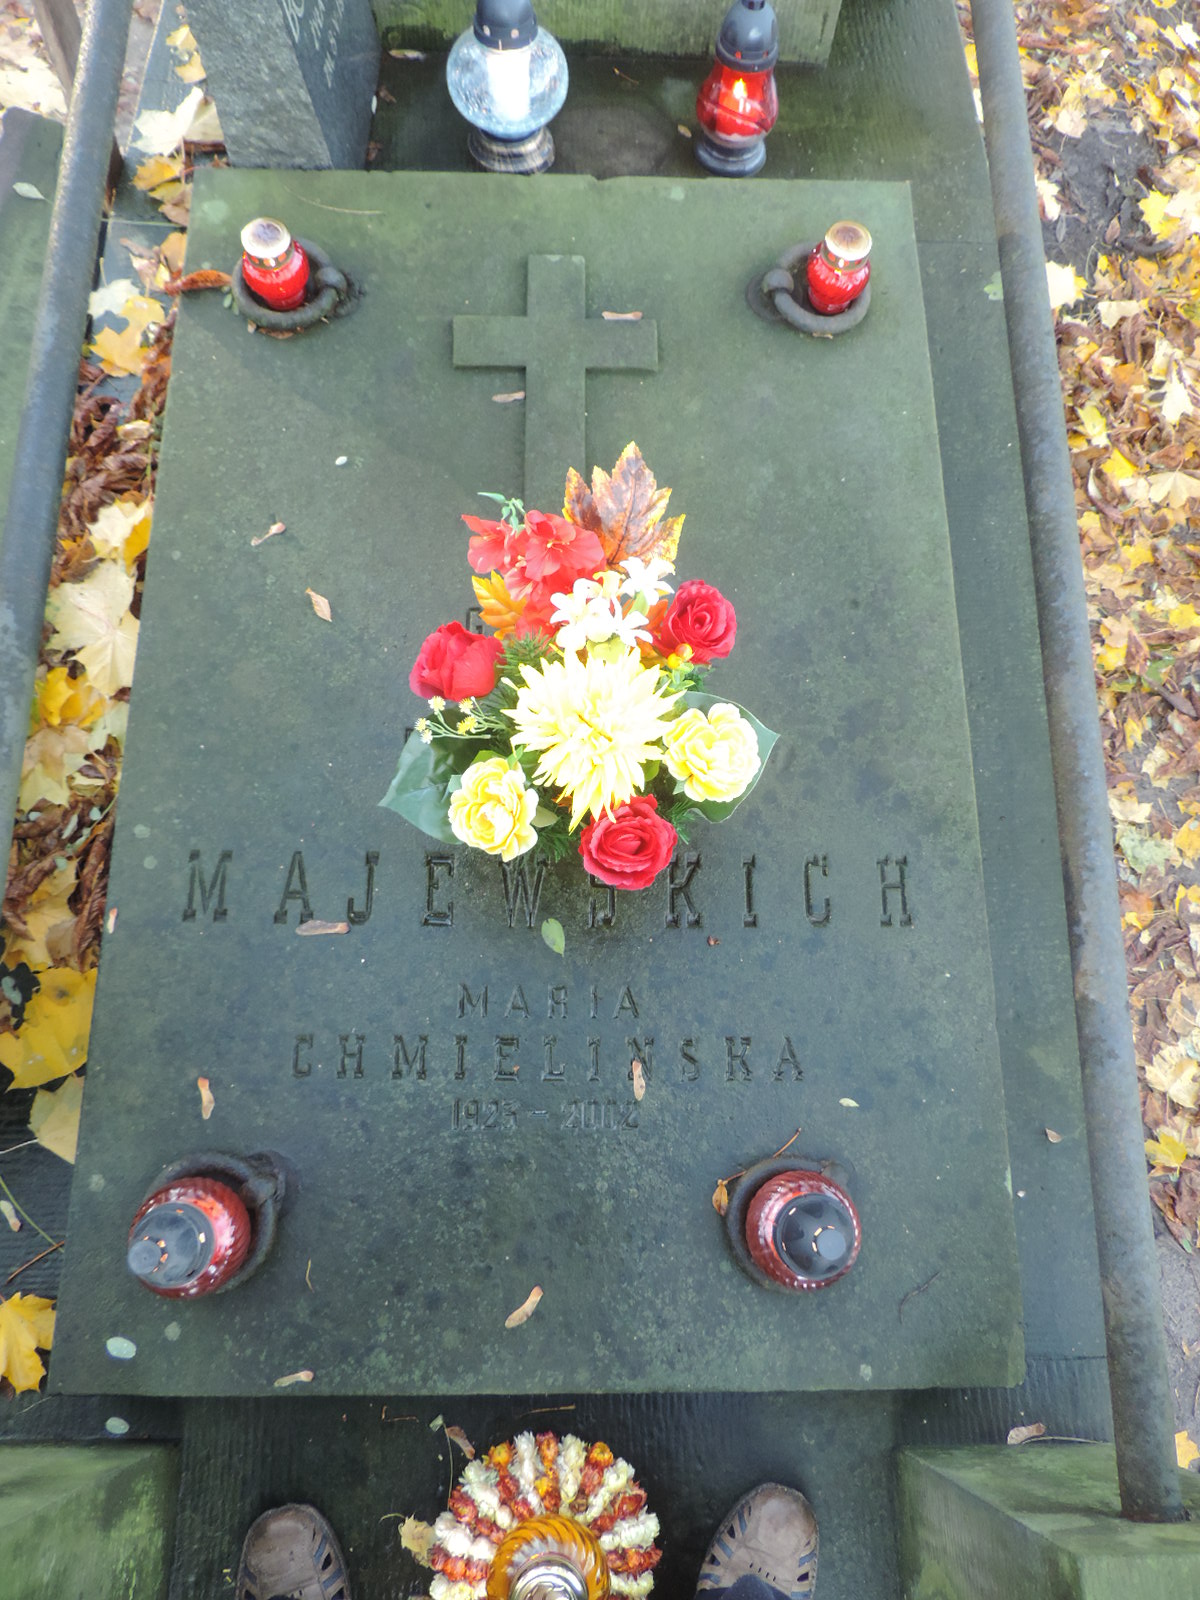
x=26, y=1326
x=499, y=611
x=626, y=509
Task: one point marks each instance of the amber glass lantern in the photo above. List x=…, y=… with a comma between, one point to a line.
x=737, y=104
x=549, y=1558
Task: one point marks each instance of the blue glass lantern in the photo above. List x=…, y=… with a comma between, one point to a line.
x=508, y=78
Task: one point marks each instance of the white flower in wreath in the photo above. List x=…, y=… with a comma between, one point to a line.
x=591, y=615
x=645, y=577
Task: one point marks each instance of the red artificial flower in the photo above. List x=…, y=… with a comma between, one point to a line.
x=628, y=849
x=454, y=664
x=702, y=618
x=555, y=552
x=493, y=549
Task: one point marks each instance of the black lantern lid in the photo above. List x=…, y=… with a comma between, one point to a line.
x=749, y=36
x=814, y=1234
x=172, y=1246
x=505, y=24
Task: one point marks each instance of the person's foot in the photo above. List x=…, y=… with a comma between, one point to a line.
x=765, y=1549
x=291, y=1553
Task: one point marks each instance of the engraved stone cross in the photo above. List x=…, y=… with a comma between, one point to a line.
x=557, y=344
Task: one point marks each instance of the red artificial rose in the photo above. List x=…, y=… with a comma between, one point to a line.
x=455, y=664
x=699, y=616
x=629, y=849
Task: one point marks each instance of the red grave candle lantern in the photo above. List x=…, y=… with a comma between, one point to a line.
x=189, y=1238
x=802, y=1230
x=838, y=268
x=274, y=266
x=737, y=104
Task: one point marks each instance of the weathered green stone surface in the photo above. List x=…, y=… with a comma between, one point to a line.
x=666, y=27
x=86, y=1520
x=1043, y=1522
x=29, y=148
x=435, y=1183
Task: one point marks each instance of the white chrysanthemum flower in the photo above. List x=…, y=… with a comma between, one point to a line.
x=639, y=1532
x=645, y=577
x=527, y=1467
x=572, y=1456
x=482, y=1549
x=594, y=725
x=445, y=1525
x=441, y=1588
x=615, y=1481
x=456, y=1541
x=623, y=1584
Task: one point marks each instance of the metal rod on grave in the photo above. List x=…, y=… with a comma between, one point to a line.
x=1137, y=1365
x=31, y=521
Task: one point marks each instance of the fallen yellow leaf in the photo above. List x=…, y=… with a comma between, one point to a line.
x=54, y=1117
x=720, y=1198
x=52, y=1042
x=1167, y=1151
x=1185, y=1451
x=1187, y=840
x=92, y=618
x=120, y=353
x=26, y=1326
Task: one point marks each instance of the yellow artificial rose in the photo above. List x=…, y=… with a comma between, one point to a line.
x=494, y=809
x=714, y=756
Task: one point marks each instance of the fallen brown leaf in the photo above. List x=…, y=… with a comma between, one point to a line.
x=261, y=538
x=316, y=927
x=720, y=1198
x=206, y=1098
x=204, y=278
x=306, y=1375
x=461, y=1440
x=639, y=1080
x=320, y=605
x=525, y=1311
x=622, y=316
x=1054, y=1138
x=1033, y=1430
x=507, y=399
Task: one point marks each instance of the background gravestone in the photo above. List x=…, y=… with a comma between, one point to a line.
x=644, y=27
x=293, y=80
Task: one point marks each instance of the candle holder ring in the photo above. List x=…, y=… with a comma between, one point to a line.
x=329, y=296
x=781, y=295
x=259, y=1181
x=820, y=1180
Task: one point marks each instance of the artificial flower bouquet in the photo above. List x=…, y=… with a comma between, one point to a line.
x=579, y=720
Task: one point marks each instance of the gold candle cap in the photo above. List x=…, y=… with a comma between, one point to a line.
x=266, y=240
x=848, y=241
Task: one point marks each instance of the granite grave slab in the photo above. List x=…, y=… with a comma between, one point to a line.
x=453, y=1100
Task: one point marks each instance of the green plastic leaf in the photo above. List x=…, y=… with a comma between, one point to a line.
x=421, y=787
x=552, y=933
x=718, y=810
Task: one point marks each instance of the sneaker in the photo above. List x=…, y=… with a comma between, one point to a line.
x=765, y=1549
x=291, y=1553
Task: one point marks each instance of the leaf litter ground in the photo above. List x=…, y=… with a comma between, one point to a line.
x=1113, y=93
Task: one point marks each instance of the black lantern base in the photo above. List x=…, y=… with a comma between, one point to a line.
x=535, y=153
x=741, y=160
